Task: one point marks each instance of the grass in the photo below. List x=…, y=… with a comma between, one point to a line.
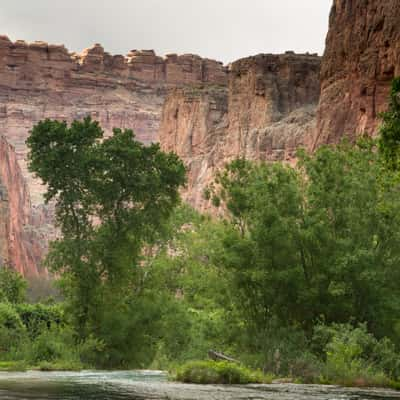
x=60, y=366
x=22, y=366
x=218, y=372
x=13, y=366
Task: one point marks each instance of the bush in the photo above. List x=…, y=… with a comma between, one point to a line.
x=223, y=372
x=12, y=286
x=306, y=367
x=53, y=345
x=12, y=330
x=37, y=317
x=90, y=350
x=68, y=365
x=355, y=357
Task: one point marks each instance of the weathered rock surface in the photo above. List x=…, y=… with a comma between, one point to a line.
x=22, y=242
x=266, y=113
x=4, y=225
x=362, y=56
x=40, y=80
x=194, y=123
x=264, y=108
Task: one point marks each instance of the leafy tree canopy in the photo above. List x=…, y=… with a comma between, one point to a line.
x=319, y=242
x=113, y=197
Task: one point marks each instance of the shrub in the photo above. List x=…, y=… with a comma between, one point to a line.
x=64, y=365
x=54, y=344
x=90, y=350
x=12, y=330
x=221, y=372
x=355, y=357
x=306, y=367
x=37, y=317
x=12, y=286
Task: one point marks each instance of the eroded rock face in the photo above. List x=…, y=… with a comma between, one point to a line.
x=4, y=225
x=194, y=126
x=40, y=80
x=22, y=237
x=361, y=58
x=266, y=113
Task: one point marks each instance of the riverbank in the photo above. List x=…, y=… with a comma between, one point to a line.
x=203, y=373
x=223, y=372
x=140, y=385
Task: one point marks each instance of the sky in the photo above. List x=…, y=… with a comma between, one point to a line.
x=225, y=30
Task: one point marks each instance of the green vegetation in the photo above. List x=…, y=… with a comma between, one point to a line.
x=389, y=142
x=113, y=198
x=223, y=372
x=298, y=280
x=12, y=287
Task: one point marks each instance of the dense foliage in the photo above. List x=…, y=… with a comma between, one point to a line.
x=12, y=286
x=113, y=197
x=389, y=142
x=298, y=279
x=318, y=242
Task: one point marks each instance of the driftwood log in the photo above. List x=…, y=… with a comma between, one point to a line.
x=217, y=356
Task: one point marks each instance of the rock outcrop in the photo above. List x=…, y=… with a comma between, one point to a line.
x=40, y=80
x=262, y=107
x=22, y=239
x=362, y=56
x=194, y=126
x=4, y=225
x=266, y=113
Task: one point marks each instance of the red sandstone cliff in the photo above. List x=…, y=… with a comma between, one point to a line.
x=39, y=81
x=264, y=108
x=266, y=113
x=21, y=244
x=270, y=102
x=362, y=56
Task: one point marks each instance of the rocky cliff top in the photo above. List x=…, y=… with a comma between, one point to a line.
x=143, y=65
x=263, y=59
x=40, y=80
x=266, y=113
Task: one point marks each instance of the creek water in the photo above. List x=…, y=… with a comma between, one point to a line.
x=88, y=385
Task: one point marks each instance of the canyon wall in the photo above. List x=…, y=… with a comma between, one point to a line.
x=262, y=107
x=266, y=113
x=22, y=238
x=40, y=80
x=269, y=108
x=361, y=58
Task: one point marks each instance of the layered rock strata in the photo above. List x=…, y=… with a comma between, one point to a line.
x=266, y=113
x=264, y=108
x=40, y=80
x=362, y=56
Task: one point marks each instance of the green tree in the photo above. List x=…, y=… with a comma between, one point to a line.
x=197, y=311
x=113, y=197
x=389, y=141
x=319, y=242
x=12, y=286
